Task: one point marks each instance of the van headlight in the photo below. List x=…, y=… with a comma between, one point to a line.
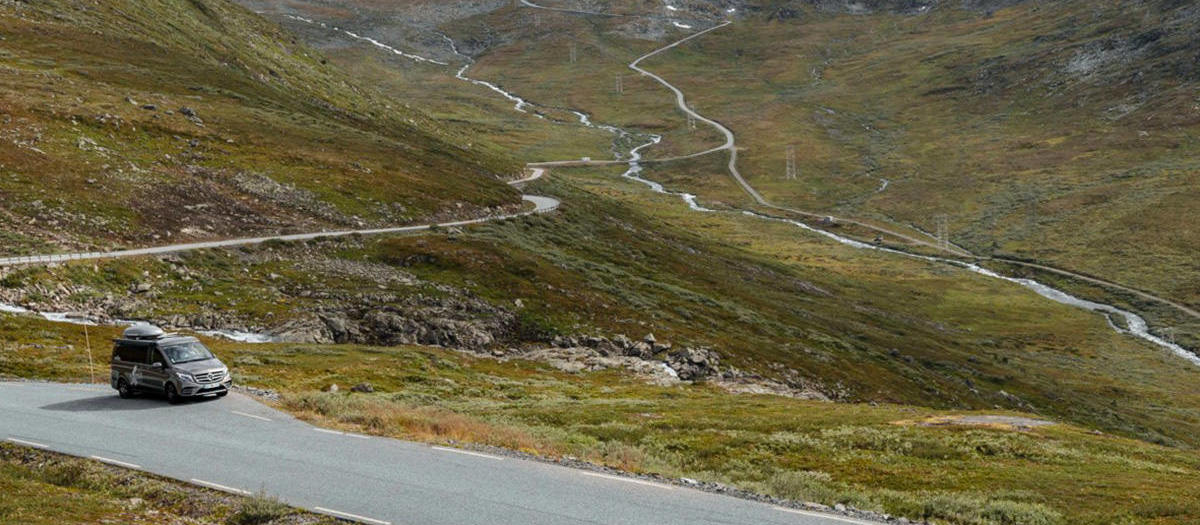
x=186, y=377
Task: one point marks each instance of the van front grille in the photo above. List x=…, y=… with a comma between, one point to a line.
x=210, y=377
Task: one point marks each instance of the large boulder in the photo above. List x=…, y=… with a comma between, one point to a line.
x=694, y=363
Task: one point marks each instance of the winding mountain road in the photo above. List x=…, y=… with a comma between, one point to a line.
x=730, y=145
x=237, y=445
x=540, y=205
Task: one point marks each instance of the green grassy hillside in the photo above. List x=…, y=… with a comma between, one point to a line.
x=139, y=122
x=278, y=136
x=770, y=299
x=1061, y=133
x=855, y=326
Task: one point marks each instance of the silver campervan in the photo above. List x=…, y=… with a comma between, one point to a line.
x=145, y=359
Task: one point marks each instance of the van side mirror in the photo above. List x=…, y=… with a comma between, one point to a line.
x=156, y=364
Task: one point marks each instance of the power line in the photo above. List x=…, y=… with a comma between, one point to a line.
x=791, y=173
x=943, y=231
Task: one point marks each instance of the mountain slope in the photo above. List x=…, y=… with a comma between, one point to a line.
x=195, y=119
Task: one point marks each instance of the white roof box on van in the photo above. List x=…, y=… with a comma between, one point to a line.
x=143, y=332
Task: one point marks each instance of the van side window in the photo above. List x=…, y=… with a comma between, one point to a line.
x=132, y=354
x=157, y=357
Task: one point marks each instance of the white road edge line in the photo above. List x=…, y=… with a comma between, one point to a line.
x=115, y=462
x=628, y=480
x=468, y=452
x=218, y=486
x=336, y=432
x=819, y=515
x=243, y=414
x=351, y=516
x=27, y=443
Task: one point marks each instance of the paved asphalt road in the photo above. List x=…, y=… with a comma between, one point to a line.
x=237, y=443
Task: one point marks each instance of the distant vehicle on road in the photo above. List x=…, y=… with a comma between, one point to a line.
x=145, y=359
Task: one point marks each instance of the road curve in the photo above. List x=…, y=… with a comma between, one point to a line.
x=731, y=146
x=540, y=205
x=236, y=444
x=527, y=3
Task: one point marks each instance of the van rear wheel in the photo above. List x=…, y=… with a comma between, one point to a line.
x=123, y=389
x=173, y=396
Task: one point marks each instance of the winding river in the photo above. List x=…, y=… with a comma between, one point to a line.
x=1135, y=325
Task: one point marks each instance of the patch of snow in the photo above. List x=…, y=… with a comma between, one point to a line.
x=681, y=25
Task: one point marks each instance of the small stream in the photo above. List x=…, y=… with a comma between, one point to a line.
x=367, y=39
x=1135, y=324
x=461, y=74
x=83, y=320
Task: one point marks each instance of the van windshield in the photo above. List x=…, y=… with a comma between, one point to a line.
x=186, y=353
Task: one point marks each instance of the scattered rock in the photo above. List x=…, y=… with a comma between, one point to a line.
x=363, y=388
x=263, y=393
x=187, y=112
x=640, y=349
x=694, y=363
x=332, y=388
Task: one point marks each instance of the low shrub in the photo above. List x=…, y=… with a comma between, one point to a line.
x=258, y=509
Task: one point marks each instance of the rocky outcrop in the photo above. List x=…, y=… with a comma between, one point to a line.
x=392, y=307
x=694, y=363
x=583, y=359
x=449, y=323
x=686, y=364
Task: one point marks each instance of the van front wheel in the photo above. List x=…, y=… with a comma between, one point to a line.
x=123, y=389
x=172, y=395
